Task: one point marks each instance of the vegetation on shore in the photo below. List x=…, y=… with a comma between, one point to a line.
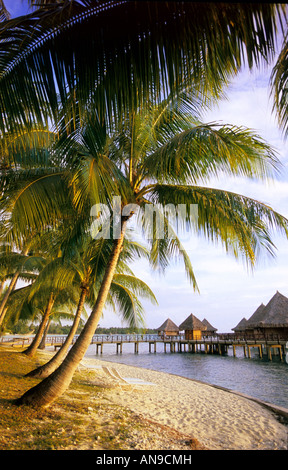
x=57, y=329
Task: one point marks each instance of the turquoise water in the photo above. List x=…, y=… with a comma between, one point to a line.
x=259, y=378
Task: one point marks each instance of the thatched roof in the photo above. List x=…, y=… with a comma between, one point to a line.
x=256, y=317
x=208, y=325
x=192, y=323
x=275, y=314
x=241, y=325
x=168, y=325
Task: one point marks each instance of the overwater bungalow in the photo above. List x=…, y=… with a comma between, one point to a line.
x=193, y=327
x=272, y=319
x=210, y=330
x=255, y=318
x=267, y=321
x=240, y=328
x=168, y=329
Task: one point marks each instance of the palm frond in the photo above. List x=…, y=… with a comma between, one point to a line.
x=4, y=13
x=155, y=48
x=127, y=305
x=37, y=203
x=242, y=224
x=160, y=231
x=139, y=287
x=279, y=86
x=204, y=150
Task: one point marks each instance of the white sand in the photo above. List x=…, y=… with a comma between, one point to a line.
x=217, y=418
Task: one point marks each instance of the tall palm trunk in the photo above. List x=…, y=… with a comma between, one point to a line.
x=31, y=350
x=49, y=367
x=55, y=384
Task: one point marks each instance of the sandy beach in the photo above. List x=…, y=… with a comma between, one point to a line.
x=217, y=418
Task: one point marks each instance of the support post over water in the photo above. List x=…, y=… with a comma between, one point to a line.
x=212, y=346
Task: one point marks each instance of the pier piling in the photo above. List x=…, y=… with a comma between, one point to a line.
x=213, y=345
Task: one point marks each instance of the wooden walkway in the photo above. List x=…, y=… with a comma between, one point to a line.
x=211, y=345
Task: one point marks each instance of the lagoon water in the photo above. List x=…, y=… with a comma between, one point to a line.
x=259, y=378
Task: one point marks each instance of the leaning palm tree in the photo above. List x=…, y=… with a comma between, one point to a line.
x=163, y=157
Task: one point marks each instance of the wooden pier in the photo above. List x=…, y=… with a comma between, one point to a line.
x=215, y=345
x=218, y=344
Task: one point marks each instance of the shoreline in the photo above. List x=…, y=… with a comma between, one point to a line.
x=277, y=409
x=221, y=419
x=176, y=413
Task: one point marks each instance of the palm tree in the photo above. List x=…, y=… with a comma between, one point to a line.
x=154, y=50
x=162, y=156
x=17, y=266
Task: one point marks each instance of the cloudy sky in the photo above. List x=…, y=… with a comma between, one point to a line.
x=228, y=292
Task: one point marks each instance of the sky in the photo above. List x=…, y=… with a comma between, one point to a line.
x=228, y=291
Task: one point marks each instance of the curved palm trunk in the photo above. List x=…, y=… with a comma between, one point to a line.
x=43, y=371
x=10, y=289
x=43, y=340
x=55, y=385
x=2, y=327
x=31, y=350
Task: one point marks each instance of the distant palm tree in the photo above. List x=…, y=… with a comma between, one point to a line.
x=163, y=156
x=17, y=266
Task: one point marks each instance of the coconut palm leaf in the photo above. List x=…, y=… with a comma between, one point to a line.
x=155, y=48
x=278, y=83
x=4, y=13
x=243, y=224
x=204, y=150
x=124, y=296
x=28, y=148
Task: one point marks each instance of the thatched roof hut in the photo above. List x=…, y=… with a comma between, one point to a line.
x=241, y=326
x=271, y=319
x=168, y=328
x=209, y=328
x=193, y=327
x=274, y=315
x=256, y=317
